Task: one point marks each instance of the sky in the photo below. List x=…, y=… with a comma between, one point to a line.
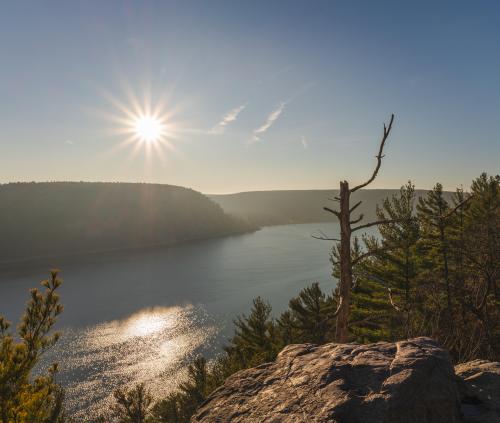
x=255, y=95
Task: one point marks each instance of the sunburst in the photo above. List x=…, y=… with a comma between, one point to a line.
x=144, y=124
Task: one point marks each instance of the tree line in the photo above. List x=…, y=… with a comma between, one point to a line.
x=81, y=217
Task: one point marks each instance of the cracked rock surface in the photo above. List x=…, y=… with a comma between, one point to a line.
x=479, y=383
x=404, y=382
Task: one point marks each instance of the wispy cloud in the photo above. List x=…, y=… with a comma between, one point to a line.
x=69, y=142
x=229, y=117
x=271, y=118
x=304, y=142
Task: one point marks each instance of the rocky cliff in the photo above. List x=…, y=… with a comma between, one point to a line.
x=404, y=382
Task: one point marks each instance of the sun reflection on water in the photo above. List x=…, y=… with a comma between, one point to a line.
x=149, y=322
x=151, y=346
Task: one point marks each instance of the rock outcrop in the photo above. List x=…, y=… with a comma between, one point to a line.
x=404, y=382
x=479, y=384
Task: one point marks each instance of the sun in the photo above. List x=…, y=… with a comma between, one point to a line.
x=149, y=129
x=147, y=124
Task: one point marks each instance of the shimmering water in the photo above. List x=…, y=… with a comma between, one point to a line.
x=140, y=316
x=150, y=346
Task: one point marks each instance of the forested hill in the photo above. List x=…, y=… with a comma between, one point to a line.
x=44, y=219
x=298, y=206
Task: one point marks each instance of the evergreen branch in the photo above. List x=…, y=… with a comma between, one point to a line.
x=389, y=290
x=378, y=222
x=368, y=321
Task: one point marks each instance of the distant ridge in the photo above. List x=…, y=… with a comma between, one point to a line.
x=58, y=218
x=297, y=206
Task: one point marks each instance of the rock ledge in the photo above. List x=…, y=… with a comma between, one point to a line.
x=404, y=382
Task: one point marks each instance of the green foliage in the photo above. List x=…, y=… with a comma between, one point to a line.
x=435, y=273
x=392, y=269
x=252, y=343
x=132, y=406
x=179, y=406
x=308, y=318
x=24, y=397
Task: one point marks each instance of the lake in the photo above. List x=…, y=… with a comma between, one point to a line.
x=140, y=316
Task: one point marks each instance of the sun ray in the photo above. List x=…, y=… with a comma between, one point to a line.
x=146, y=123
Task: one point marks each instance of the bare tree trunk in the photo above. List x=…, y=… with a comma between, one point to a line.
x=346, y=230
x=341, y=330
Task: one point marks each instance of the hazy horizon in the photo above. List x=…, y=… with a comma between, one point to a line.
x=250, y=98
x=228, y=192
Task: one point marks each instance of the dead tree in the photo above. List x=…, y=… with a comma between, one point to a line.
x=346, y=230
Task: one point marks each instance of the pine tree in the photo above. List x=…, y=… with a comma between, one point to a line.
x=253, y=341
x=179, y=406
x=24, y=398
x=286, y=328
x=385, y=290
x=433, y=250
x=311, y=316
x=132, y=405
x=482, y=262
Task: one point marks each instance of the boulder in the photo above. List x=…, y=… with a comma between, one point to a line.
x=479, y=383
x=404, y=382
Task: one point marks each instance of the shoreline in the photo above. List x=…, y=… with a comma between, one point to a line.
x=17, y=263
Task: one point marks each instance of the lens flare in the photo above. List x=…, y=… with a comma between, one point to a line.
x=149, y=129
x=145, y=123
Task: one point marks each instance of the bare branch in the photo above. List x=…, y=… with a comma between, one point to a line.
x=461, y=204
x=478, y=308
x=392, y=300
x=355, y=206
x=324, y=237
x=335, y=212
x=378, y=222
x=332, y=316
x=359, y=219
x=379, y=156
x=338, y=307
x=389, y=290
x=335, y=199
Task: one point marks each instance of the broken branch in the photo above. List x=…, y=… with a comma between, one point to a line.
x=379, y=156
x=359, y=219
x=335, y=212
x=355, y=206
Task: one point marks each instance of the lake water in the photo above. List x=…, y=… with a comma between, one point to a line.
x=140, y=316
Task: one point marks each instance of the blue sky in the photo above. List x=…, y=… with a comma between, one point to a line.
x=260, y=94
